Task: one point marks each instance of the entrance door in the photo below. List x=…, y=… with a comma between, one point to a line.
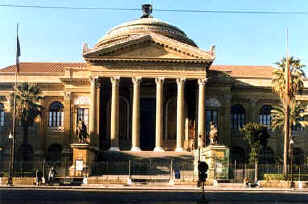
x=147, y=123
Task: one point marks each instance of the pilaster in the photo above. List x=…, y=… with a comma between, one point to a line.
x=92, y=118
x=67, y=118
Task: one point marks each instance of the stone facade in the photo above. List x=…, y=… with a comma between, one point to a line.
x=140, y=89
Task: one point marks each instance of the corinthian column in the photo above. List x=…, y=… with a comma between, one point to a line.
x=92, y=110
x=136, y=115
x=201, y=112
x=114, y=130
x=180, y=116
x=159, y=114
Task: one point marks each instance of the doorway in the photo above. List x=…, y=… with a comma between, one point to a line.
x=147, y=123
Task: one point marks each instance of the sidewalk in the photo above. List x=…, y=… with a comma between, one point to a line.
x=147, y=187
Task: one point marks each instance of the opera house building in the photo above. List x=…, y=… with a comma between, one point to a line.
x=145, y=87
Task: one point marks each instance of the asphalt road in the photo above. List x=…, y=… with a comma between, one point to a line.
x=45, y=196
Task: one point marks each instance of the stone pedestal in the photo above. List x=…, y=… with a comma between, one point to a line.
x=83, y=159
x=217, y=157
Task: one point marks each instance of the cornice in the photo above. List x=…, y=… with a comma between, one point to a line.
x=162, y=60
x=74, y=81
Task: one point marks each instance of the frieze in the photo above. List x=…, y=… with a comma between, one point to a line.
x=153, y=74
x=76, y=81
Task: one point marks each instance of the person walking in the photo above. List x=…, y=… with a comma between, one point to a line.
x=51, y=175
x=38, y=177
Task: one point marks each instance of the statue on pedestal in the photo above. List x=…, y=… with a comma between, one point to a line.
x=213, y=135
x=81, y=132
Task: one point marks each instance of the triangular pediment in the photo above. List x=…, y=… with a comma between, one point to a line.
x=150, y=46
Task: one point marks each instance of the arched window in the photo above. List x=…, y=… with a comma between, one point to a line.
x=265, y=117
x=1, y=115
x=237, y=117
x=56, y=115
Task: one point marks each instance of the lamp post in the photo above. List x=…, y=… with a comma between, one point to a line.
x=291, y=161
x=11, y=164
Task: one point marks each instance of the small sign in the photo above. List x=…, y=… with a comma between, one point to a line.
x=220, y=154
x=79, y=165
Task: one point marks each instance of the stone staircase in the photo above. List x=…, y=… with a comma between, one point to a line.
x=128, y=155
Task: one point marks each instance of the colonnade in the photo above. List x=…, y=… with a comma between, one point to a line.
x=114, y=130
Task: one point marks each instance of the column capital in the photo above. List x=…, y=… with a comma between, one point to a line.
x=93, y=79
x=159, y=80
x=202, y=82
x=115, y=80
x=67, y=94
x=136, y=80
x=253, y=101
x=180, y=81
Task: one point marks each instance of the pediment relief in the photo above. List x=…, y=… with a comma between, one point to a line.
x=148, y=50
x=147, y=46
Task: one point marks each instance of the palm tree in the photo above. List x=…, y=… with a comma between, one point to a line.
x=287, y=92
x=297, y=112
x=296, y=78
x=27, y=106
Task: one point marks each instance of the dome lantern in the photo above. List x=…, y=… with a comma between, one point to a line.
x=147, y=10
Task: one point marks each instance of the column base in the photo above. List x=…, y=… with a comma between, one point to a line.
x=179, y=149
x=135, y=149
x=114, y=149
x=158, y=149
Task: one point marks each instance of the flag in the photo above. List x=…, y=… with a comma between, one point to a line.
x=17, y=52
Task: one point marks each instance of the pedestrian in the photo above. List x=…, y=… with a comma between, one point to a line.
x=51, y=175
x=246, y=181
x=38, y=177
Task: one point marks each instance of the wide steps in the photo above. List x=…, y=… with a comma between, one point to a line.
x=129, y=155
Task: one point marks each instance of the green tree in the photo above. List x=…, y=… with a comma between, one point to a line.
x=297, y=113
x=256, y=136
x=287, y=93
x=27, y=106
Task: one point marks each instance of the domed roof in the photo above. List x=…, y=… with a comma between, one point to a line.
x=144, y=26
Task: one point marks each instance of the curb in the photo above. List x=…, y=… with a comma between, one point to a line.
x=151, y=188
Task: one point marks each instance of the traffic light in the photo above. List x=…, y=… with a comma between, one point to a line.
x=202, y=168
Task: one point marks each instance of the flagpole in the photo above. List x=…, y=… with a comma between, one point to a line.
x=13, y=139
x=287, y=111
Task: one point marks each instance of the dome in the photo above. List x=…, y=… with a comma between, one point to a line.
x=144, y=26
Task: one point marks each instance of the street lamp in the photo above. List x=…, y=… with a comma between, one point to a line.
x=291, y=161
x=10, y=179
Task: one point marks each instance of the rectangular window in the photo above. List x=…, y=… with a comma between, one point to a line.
x=83, y=114
x=211, y=116
x=1, y=119
x=50, y=119
x=62, y=119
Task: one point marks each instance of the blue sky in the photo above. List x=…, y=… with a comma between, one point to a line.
x=56, y=35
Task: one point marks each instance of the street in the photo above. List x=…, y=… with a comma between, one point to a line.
x=91, y=196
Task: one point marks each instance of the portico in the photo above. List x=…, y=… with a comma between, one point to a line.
x=140, y=62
